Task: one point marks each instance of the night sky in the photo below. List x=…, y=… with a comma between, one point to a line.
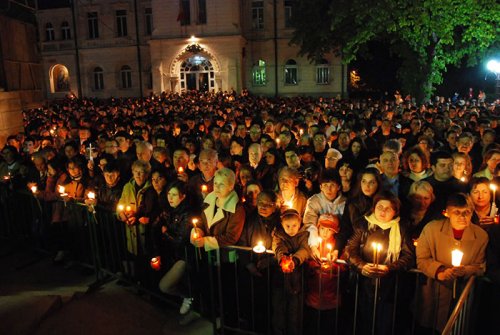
x=378, y=70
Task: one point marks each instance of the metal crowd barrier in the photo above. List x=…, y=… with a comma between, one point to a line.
x=234, y=299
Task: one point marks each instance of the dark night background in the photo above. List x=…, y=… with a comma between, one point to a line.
x=378, y=72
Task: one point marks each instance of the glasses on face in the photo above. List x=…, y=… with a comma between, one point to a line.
x=458, y=212
x=384, y=209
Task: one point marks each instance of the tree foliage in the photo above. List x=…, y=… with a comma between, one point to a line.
x=428, y=35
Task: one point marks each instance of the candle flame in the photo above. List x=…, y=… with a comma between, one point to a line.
x=463, y=180
x=61, y=189
x=329, y=247
x=180, y=169
x=194, y=221
x=120, y=208
x=493, y=187
x=301, y=132
x=204, y=188
x=91, y=195
x=34, y=188
x=288, y=203
x=259, y=248
x=128, y=208
x=456, y=257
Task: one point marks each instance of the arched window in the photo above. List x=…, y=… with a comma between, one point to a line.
x=259, y=73
x=322, y=72
x=126, y=76
x=66, y=31
x=49, y=32
x=98, y=79
x=291, y=72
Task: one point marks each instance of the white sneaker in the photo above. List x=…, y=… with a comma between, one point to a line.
x=186, y=305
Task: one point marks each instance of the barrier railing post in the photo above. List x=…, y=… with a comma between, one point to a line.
x=375, y=301
x=356, y=301
x=396, y=288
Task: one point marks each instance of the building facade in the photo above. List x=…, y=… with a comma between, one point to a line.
x=134, y=47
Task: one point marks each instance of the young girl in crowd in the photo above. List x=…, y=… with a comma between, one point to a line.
x=291, y=251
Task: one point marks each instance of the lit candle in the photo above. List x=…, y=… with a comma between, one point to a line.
x=301, y=131
x=278, y=142
x=288, y=203
x=61, y=189
x=155, y=263
x=456, y=257
x=463, y=180
x=34, y=189
x=180, y=169
x=374, y=247
x=128, y=209
x=320, y=244
x=90, y=153
x=329, y=247
x=379, y=248
x=91, y=195
x=259, y=248
x=195, y=233
x=204, y=188
x=120, y=208
x=493, y=187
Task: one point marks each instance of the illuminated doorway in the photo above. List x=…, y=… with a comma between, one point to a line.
x=197, y=73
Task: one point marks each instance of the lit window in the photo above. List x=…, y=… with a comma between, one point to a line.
x=259, y=73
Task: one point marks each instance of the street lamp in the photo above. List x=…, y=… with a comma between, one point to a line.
x=494, y=66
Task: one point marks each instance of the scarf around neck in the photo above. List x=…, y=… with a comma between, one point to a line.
x=394, y=235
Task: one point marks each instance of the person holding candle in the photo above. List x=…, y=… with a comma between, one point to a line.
x=330, y=200
x=258, y=228
x=485, y=209
x=207, y=165
x=291, y=251
x=289, y=195
x=462, y=166
x=171, y=241
x=382, y=228
x=223, y=216
x=321, y=298
x=132, y=197
x=359, y=204
x=434, y=259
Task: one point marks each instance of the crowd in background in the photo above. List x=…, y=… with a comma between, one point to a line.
x=386, y=186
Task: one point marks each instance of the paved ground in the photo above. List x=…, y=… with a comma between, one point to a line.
x=40, y=298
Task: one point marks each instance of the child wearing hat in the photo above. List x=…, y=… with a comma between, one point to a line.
x=322, y=277
x=291, y=250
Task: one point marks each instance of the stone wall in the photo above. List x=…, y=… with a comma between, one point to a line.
x=11, y=106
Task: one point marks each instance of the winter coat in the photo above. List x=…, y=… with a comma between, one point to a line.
x=135, y=233
x=434, y=251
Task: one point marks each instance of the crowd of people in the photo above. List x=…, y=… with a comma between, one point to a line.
x=385, y=186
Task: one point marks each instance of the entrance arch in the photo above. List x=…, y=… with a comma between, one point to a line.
x=197, y=73
x=59, y=79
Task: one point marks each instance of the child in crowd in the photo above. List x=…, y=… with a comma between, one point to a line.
x=321, y=297
x=291, y=250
